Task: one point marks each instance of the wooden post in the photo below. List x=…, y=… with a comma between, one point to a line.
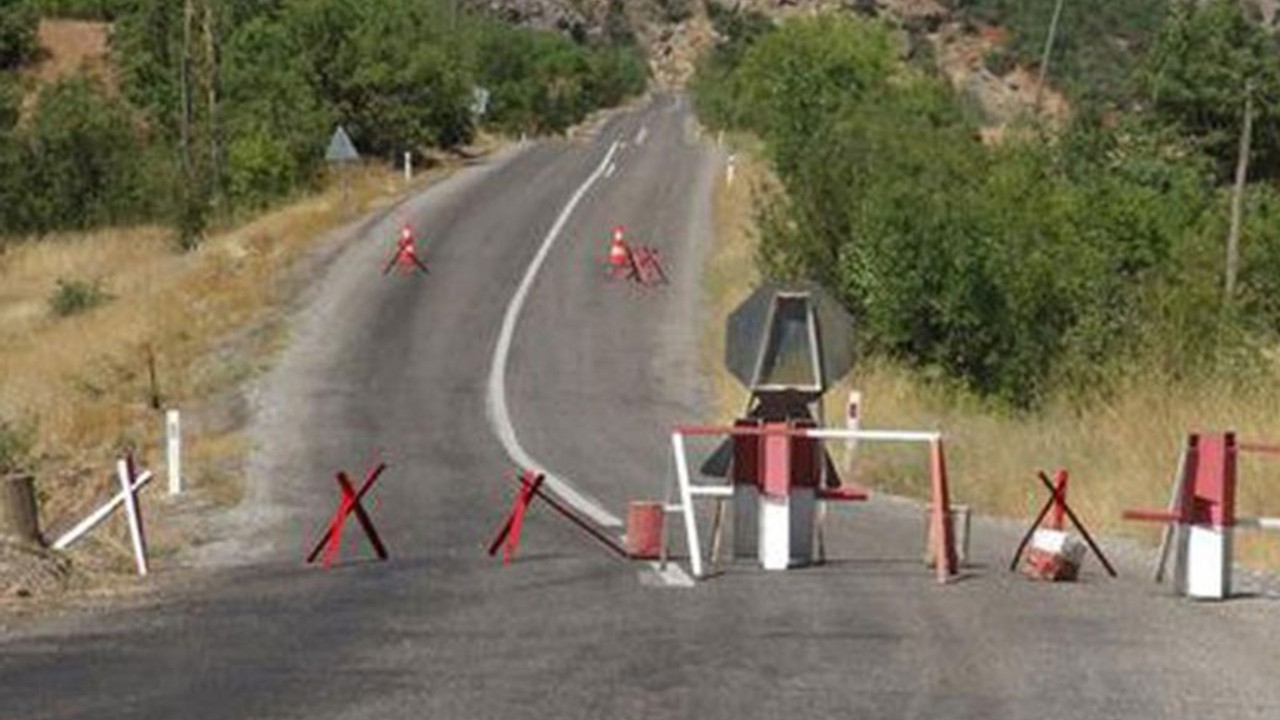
x=1237, y=193
x=1048, y=52
x=19, y=518
x=124, y=470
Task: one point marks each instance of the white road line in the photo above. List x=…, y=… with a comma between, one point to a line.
x=610, y=170
x=499, y=417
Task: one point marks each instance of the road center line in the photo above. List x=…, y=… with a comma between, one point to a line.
x=499, y=417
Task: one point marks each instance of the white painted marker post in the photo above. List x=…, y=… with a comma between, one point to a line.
x=173, y=438
x=729, y=169
x=853, y=421
x=408, y=167
x=131, y=512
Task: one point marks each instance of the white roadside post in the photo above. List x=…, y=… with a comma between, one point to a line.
x=131, y=512
x=853, y=422
x=408, y=167
x=729, y=169
x=173, y=444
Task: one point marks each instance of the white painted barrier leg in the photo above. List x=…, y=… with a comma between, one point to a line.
x=98, y=515
x=131, y=512
x=173, y=437
x=1208, y=562
x=775, y=532
x=686, y=500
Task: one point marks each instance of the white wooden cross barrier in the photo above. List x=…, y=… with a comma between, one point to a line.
x=130, y=484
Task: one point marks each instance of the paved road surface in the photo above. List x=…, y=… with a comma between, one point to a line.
x=596, y=375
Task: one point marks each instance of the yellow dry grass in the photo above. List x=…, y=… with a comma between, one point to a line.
x=210, y=318
x=1120, y=454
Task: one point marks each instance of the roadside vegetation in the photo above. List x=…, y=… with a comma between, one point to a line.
x=1057, y=298
x=148, y=256
x=265, y=84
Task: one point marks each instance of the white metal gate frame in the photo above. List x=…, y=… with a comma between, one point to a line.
x=688, y=491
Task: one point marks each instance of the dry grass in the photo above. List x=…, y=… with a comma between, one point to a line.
x=1120, y=454
x=211, y=318
x=731, y=272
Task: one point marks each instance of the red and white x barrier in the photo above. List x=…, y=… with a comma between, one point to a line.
x=1201, y=518
x=780, y=488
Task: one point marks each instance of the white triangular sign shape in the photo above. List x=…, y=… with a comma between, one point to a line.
x=341, y=148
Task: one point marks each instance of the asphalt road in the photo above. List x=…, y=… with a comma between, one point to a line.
x=595, y=375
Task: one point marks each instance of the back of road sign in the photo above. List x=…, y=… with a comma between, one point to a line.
x=341, y=149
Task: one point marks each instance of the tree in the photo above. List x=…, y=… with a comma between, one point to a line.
x=1204, y=60
x=18, y=43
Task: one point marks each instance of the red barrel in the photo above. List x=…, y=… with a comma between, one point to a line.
x=644, y=529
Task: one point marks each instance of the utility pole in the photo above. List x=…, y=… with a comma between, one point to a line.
x=1048, y=50
x=1237, y=193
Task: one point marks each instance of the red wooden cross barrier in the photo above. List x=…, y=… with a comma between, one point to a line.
x=349, y=504
x=1058, y=503
x=531, y=487
x=648, y=266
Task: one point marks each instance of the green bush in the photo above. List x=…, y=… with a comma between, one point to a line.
x=18, y=43
x=1205, y=59
x=397, y=73
x=84, y=155
x=1019, y=271
x=85, y=9
x=10, y=101
x=259, y=169
x=674, y=11
x=73, y=297
x=16, y=444
x=1097, y=48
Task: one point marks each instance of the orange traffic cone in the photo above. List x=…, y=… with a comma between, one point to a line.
x=406, y=255
x=619, y=254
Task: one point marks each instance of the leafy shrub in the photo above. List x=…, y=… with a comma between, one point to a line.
x=18, y=43
x=1097, y=48
x=1018, y=271
x=85, y=160
x=1000, y=61
x=674, y=11
x=16, y=444
x=1205, y=60
x=72, y=297
x=84, y=9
